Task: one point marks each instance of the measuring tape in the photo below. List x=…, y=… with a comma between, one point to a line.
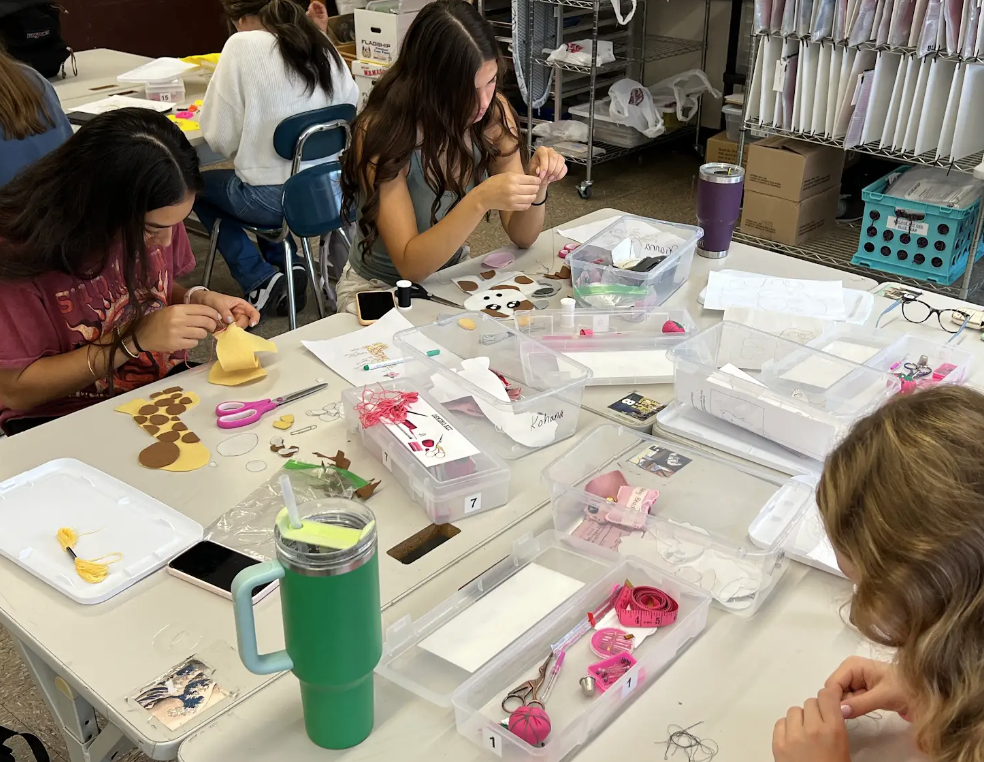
x=645, y=607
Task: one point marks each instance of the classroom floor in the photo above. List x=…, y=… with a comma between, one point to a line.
x=660, y=186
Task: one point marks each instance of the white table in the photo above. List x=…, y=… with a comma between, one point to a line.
x=92, y=658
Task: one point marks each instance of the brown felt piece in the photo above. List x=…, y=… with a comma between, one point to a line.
x=526, y=305
x=467, y=285
x=169, y=436
x=148, y=410
x=562, y=274
x=276, y=448
x=174, y=418
x=365, y=492
x=523, y=279
x=487, y=274
x=495, y=313
x=190, y=438
x=185, y=400
x=160, y=455
x=178, y=426
x=158, y=420
x=503, y=288
x=155, y=395
x=140, y=419
x=339, y=460
x=175, y=409
x=172, y=390
x=152, y=430
x=162, y=403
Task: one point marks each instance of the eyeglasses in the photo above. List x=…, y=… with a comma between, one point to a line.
x=915, y=310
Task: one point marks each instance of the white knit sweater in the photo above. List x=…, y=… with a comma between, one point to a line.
x=251, y=92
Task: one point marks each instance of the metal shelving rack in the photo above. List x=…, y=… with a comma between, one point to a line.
x=836, y=247
x=633, y=50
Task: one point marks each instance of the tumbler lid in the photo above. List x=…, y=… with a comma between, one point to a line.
x=317, y=561
x=721, y=173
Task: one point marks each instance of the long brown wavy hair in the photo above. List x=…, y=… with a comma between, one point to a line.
x=427, y=101
x=22, y=108
x=902, y=499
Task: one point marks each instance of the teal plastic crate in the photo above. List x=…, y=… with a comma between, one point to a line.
x=913, y=238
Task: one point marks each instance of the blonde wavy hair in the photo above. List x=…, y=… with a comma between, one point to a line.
x=902, y=499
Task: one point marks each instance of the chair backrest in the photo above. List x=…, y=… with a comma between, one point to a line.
x=314, y=134
x=313, y=200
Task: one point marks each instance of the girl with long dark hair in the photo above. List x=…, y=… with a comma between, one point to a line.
x=434, y=151
x=278, y=64
x=91, y=245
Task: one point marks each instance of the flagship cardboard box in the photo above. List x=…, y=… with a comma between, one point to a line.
x=381, y=27
x=791, y=169
x=721, y=149
x=788, y=222
x=365, y=75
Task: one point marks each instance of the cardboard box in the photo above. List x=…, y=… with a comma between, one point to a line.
x=378, y=35
x=791, y=169
x=341, y=29
x=365, y=75
x=788, y=222
x=721, y=149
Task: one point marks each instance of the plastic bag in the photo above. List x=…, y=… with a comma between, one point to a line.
x=789, y=18
x=681, y=93
x=761, y=21
x=632, y=105
x=863, y=25
x=568, y=129
x=579, y=53
x=823, y=20
x=930, y=27
x=804, y=15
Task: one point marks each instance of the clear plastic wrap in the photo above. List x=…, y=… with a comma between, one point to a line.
x=953, y=14
x=885, y=23
x=789, y=18
x=823, y=20
x=775, y=20
x=970, y=38
x=248, y=527
x=902, y=24
x=861, y=31
x=839, y=32
x=930, y=27
x=762, y=17
x=804, y=15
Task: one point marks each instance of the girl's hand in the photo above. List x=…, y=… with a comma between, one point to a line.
x=508, y=192
x=318, y=14
x=548, y=165
x=865, y=685
x=178, y=327
x=231, y=309
x=815, y=733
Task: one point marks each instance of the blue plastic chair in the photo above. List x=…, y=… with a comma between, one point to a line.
x=305, y=137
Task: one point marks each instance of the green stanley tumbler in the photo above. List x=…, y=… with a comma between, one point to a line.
x=332, y=626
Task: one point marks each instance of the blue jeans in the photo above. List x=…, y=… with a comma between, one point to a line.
x=260, y=205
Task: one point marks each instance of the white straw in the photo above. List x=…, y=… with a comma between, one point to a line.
x=290, y=502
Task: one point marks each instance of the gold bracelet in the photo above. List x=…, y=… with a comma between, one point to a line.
x=126, y=349
x=88, y=361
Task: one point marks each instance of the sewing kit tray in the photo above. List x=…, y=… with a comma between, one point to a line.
x=531, y=398
x=697, y=528
x=447, y=489
x=799, y=397
x=110, y=516
x=444, y=658
x=619, y=346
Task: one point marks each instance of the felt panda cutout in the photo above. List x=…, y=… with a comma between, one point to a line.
x=499, y=302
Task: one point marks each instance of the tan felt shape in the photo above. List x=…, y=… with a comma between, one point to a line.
x=237, y=362
x=176, y=448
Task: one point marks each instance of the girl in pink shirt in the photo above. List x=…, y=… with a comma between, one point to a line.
x=92, y=242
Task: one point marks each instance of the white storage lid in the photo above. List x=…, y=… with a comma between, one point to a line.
x=157, y=72
x=111, y=516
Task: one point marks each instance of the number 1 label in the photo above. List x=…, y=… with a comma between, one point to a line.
x=629, y=686
x=493, y=742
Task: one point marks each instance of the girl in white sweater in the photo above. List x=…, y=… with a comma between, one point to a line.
x=277, y=65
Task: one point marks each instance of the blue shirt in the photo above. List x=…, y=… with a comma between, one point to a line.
x=15, y=155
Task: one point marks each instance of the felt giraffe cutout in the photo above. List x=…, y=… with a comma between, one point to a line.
x=236, y=361
x=176, y=448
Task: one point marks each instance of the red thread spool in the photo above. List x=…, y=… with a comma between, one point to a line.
x=645, y=607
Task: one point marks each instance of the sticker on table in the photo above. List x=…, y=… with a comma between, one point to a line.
x=660, y=461
x=636, y=406
x=430, y=437
x=179, y=695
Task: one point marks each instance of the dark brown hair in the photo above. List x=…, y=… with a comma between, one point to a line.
x=306, y=51
x=427, y=101
x=902, y=500
x=23, y=112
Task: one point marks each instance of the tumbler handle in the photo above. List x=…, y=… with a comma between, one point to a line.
x=242, y=605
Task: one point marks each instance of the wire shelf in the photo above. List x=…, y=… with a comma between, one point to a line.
x=589, y=5
x=967, y=164
x=652, y=48
x=905, y=50
x=617, y=152
x=836, y=246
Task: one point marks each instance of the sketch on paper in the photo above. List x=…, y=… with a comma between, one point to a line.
x=821, y=299
x=738, y=411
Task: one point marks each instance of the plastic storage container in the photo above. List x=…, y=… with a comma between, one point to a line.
x=166, y=92
x=447, y=490
x=914, y=238
x=600, y=285
x=531, y=400
x=607, y=130
x=732, y=121
x=697, y=529
x=619, y=346
x=799, y=397
x=409, y=657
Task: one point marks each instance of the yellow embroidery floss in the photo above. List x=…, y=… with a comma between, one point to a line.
x=94, y=571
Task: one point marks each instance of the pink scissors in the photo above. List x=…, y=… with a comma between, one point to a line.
x=234, y=414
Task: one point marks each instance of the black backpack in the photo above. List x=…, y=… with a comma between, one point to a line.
x=6, y=755
x=30, y=30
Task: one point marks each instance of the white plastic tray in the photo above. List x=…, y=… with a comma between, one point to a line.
x=157, y=72
x=68, y=493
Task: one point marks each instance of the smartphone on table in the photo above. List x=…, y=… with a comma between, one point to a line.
x=372, y=305
x=213, y=567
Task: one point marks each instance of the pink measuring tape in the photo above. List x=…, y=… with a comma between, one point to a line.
x=645, y=607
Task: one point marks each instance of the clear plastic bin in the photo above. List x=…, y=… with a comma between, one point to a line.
x=166, y=92
x=477, y=695
x=447, y=491
x=799, y=397
x=732, y=120
x=539, y=407
x=697, y=529
x=598, y=284
x=619, y=346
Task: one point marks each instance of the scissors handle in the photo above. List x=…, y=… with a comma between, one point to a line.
x=233, y=414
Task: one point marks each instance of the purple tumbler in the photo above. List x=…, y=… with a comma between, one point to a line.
x=719, y=189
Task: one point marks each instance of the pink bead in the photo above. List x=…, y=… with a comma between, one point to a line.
x=185, y=115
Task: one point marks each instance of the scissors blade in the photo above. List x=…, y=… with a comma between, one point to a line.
x=300, y=395
x=445, y=302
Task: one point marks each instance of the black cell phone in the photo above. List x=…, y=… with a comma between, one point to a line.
x=372, y=305
x=80, y=117
x=214, y=567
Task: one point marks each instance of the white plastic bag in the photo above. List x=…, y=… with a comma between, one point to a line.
x=632, y=105
x=567, y=129
x=579, y=53
x=681, y=93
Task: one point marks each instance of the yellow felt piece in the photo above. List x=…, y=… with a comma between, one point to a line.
x=322, y=535
x=222, y=377
x=193, y=456
x=177, y=448
x=236, y=349
x=284, y=422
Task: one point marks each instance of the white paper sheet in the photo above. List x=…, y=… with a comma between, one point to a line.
x=968, y=136
x=115, y=102
x=915, y=113
x=941, y=74
x=588, y=230
x=489, y=625
x=430, y=437
x=798, y=328
x=817, y=371
x=811, y=298
x=645, y=362
x=898, y=124
x=950, y=117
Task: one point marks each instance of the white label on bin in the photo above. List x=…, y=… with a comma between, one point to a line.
x=386, y=461
x=629, y=685
x=473, y=503
x=908, y=226
x=599, y=323
x=493, y=742
x=164, y=96
x=779, y=79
